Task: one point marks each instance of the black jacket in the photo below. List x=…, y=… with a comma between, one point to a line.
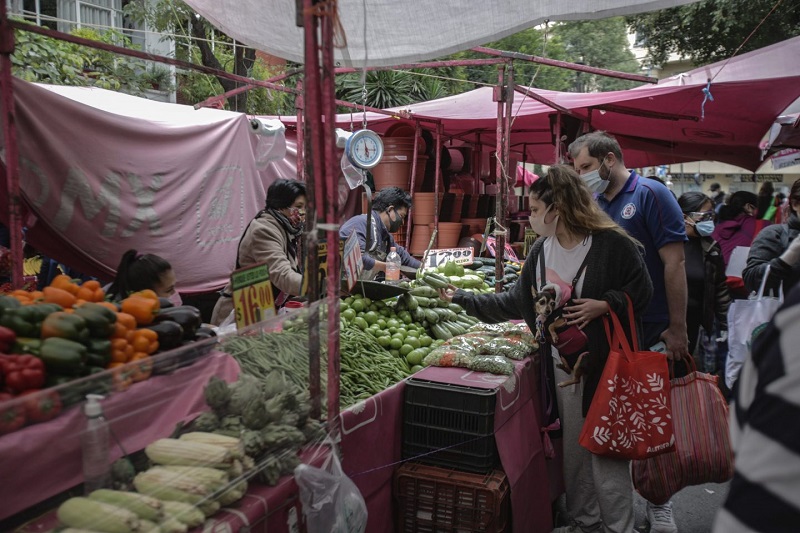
x=716, y=295
x=767, y=248
x=614, y=267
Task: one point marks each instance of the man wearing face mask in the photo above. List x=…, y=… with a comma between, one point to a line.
x=649, y=212
x=389, y=209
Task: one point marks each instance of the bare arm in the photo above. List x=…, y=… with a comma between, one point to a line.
x=675, y=337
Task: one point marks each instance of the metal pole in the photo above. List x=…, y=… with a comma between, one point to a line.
x=500, y=98
x=11, y=148
x=300, y=125
x=312, y=139
x=329, y=187
x=438, y=176
x=417, y=130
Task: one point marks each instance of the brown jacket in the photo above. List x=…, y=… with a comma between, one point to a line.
x=264, y=241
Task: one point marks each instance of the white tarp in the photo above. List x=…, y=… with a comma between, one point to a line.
x=381, y=33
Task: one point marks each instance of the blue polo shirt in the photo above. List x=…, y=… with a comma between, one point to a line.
x=649, y=212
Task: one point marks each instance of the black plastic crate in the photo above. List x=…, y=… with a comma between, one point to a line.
x=456, y=420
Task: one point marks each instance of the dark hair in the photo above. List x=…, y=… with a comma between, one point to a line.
x=599, y=144
x=137, y=272
x=735, y=204
x=282, y=193
x=391, y=196
x=794, y=195
x=692, y=201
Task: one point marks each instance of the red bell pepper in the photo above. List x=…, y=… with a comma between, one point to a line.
x=12, y=417
x=7, y=339
x=41, y=405
x=22, y=372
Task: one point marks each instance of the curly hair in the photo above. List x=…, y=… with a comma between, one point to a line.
x=578, y=210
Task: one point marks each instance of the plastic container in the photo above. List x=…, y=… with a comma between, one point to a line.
x=449, y=234
x=431, y=499
x=420, y=237
x=393, y=266
x=456, y=420
x=94, y=446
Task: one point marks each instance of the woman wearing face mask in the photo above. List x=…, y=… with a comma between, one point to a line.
x=709, y=297
x=583, y=251
x=737, y=224
x=137, y=272
x=272, y=238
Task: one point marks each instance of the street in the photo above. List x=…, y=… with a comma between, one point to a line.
x=694, y=508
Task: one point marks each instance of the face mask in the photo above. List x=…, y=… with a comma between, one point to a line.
x=705, y=228
x=593, y=180
x=542, y=228
x=175, y=299
x=395, y=223
x=296, y=217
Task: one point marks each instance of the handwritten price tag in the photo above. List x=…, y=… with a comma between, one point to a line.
x=508, y=251
x=460, y=256
x=352, y=260
x=322, y=270
x=252, y=295
x=530, y=238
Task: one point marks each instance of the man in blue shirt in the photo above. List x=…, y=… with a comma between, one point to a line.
x=389, y=208
x=649, y=212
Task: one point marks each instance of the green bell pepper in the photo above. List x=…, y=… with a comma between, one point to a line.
x=99, y=352
x=63, y=356
x=99, y=320
x=66, y=326
x=8, y=302
x=25, y=345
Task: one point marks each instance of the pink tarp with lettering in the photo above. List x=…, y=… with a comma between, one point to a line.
x=102, y=172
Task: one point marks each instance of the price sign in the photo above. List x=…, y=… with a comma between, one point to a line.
x=508, y=251
x=530, y=238
x=322, y=270
x=252, y=295
x=352, y=260
x=460, y=256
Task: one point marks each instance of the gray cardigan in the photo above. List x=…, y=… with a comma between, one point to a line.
x=766, y=249
x=614, y=267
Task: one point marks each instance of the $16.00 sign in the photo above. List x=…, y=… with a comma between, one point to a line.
x=252, y=295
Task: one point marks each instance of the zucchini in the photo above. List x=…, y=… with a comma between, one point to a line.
x=442, y=303
x=424, y=291
x=440, y=332
x=424, y=302
x=436, y=281
x=455, y=308
x=431, y=316
x=410, y=301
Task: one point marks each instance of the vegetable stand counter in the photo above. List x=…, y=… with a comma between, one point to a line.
x=372, y=445
x=43, y=460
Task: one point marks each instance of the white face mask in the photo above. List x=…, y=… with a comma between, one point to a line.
x=175, y=299
x=593, y=180
x=542, y=228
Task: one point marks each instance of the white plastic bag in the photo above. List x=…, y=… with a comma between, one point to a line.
x=744, y=316
x=331, y=501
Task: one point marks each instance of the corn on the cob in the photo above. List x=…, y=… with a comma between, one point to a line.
x=188, y=453
x=232, y=444
x=171, y=525
x=165, y=485
x=212, y=478
x=97, y=516
x=188, y=514
x=75, y=530
x=233, y=494
x=236, y=469
x=142, y=506
x=208, y=507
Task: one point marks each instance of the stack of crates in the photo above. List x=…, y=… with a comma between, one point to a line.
x=432, y=499
x=454, y=483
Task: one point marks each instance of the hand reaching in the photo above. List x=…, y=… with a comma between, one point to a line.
x=447, y=294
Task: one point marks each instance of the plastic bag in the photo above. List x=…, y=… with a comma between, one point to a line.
x=331, y=501
x=513, y=348
x=494, y=364
x=447, y=356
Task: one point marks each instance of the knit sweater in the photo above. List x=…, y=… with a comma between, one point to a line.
x=614, y=267
x=766, y=250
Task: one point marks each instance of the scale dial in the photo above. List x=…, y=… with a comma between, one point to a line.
x=364, y=149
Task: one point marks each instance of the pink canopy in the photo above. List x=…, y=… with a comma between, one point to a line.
x=671, y=122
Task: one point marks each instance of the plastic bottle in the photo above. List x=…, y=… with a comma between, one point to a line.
x=393, y=266
x=94, y=446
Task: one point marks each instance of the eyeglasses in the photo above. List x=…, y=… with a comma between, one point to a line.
x=701, y=216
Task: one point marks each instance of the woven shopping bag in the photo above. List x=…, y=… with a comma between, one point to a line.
x=629, y=417
x=702, y=451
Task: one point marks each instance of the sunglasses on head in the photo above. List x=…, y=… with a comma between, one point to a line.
x=701, y=216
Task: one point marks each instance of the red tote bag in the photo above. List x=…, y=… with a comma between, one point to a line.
x=630, y=416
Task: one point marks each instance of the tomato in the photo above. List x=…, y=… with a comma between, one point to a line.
x=41, y=405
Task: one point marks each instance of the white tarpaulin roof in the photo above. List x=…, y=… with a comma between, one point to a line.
x=401, y=32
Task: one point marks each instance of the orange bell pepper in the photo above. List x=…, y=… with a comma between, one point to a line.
x=64, y=282
x=121, y=376
x=143, y=309
x=145, y=341
x=54, y=295
x=141, y=366
x=120, y=350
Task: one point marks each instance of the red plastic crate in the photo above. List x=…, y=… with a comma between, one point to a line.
x=433, y=499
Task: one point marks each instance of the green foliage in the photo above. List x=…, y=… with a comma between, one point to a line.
x=37, y=58
x=712, y=30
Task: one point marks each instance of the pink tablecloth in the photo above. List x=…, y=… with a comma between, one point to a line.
x=516, y=427
x=42, y=460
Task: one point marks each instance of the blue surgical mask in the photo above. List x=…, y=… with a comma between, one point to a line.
x=705, y=228
x=594, y=181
